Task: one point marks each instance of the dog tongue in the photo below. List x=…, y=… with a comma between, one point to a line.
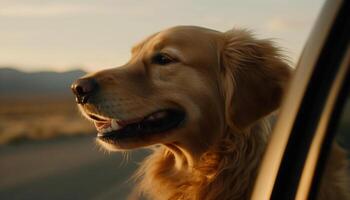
x=102, y=125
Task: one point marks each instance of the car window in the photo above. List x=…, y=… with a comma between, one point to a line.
x=335, y=153
x=302, y=145
x=343, y=129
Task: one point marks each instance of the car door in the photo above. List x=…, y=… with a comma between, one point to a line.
x=303, y=135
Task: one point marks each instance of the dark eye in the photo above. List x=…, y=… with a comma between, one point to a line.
x=162, y=59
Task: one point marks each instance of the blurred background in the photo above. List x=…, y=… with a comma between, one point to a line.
x=47, y=150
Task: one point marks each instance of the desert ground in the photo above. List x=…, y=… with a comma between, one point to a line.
x=40, y=118
x=65, y=168
x=48, y=151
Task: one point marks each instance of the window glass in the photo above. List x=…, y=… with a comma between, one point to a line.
x=343, y=130
x=336, y=169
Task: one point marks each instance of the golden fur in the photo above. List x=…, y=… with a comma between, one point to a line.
x=227, y=84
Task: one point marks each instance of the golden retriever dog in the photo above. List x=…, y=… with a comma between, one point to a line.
x=199, y=98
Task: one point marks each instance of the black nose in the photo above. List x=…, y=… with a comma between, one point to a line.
x=83, y=89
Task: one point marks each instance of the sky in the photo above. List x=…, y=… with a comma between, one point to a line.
x=60, y=35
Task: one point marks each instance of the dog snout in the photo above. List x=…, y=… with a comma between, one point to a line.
x=83, y=89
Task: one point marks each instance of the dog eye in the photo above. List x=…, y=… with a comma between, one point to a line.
x=162, y=59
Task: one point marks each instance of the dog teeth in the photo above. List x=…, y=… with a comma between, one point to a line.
x=115, y=125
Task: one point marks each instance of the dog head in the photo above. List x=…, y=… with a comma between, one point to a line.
x=184, y=86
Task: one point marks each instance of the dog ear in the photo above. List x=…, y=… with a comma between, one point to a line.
x=254, y=77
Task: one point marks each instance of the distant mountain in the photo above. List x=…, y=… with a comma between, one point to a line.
x=14, y=82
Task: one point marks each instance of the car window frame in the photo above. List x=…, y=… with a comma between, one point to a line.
x=304, y=107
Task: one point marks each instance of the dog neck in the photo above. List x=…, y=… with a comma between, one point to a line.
x=172, y=173
x=183, y=159
x=186, y=156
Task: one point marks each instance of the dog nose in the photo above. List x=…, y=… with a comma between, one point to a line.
x=83, y=89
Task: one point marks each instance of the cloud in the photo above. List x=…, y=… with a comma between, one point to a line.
x=44, y=10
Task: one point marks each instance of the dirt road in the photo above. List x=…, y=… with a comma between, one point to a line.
x=67, y=168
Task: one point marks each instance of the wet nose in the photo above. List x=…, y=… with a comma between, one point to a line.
x=83, y=89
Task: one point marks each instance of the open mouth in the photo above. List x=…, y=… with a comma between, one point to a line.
x=157, y=122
